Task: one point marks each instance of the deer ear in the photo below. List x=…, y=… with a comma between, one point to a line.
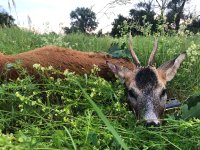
x=170, y=68
x=119, y=71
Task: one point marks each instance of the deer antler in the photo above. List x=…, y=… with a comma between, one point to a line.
x=153, y=53
x=137, y=62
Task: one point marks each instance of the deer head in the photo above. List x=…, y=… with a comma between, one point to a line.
x=146, y=86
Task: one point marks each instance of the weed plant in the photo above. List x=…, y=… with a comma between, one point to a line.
x=87, y=112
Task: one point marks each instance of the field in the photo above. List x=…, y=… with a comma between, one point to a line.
x=87, y=112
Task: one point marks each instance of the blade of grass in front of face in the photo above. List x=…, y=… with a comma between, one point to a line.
x=104, y=119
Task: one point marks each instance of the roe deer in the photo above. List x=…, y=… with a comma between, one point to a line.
x=146, y=86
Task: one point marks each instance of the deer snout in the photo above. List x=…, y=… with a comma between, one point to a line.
x=154, y=123
x=151, y=119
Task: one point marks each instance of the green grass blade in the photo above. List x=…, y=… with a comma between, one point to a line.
x=104, y=119
x=74, y=145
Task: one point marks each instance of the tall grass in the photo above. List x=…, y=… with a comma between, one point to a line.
x=59, y=114
x=15, y=40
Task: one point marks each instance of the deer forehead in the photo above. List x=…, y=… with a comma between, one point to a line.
x=147, y=77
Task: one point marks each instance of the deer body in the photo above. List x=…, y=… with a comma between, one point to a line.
x=63, y=58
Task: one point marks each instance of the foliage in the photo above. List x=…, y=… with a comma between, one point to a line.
x=191, y=108
x=54, y=113
x=118, y=24
x=194, y=26
x=144, y=15
x=72, y=29
x=175, y=13
x=58, y=114
x=117, y=51
x=6, y=20
x=15, y=40
x=138, y=18
x=83, y=20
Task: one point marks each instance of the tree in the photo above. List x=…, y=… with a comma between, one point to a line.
x=136, y=19
x=146, y=5
x=145, y=8
x=118, y=26
x=100, y=33
x=162, y=5
x=69, y=30
x=194, y=26
x=83, y=19
x=175, y=13
x=6, y=19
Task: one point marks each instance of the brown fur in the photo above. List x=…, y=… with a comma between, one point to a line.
x=64, y=58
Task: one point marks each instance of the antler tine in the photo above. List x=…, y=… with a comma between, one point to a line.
x=153, y=53
x=137, y=62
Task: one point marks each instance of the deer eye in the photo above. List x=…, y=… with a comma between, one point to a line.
x=132, y=94
x=163, y=93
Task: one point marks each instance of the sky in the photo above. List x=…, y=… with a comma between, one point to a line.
x=52, y=15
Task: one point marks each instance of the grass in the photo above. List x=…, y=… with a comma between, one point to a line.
x=90, y=113
x=15, y=40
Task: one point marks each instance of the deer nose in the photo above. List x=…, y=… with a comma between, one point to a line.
x=149, y=123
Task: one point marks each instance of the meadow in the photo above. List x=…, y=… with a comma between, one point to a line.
x=88, y=112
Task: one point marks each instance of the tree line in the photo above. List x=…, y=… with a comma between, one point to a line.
x=153, y=14
x=171, y=13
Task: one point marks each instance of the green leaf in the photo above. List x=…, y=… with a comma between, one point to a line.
x=117, y=51
x=191, y=108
